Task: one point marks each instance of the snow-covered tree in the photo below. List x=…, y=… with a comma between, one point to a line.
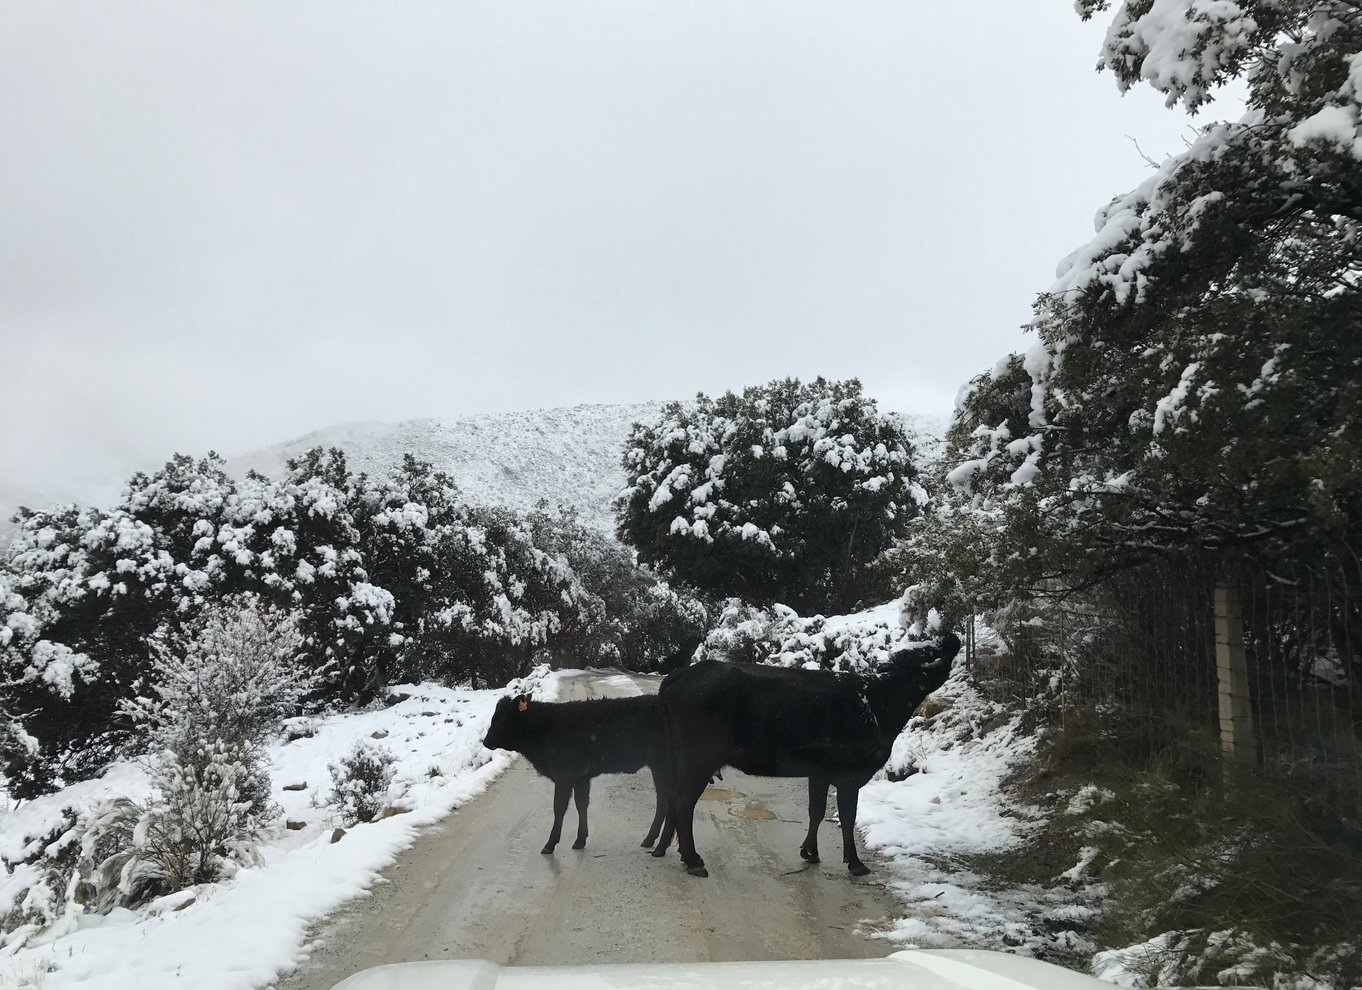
x=231, y=676
x=1194, y=385
x=85, y=590
x=312, y=543
x=382, y=578
x=781, y=494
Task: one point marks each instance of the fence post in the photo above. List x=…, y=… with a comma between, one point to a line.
x=969, y=642
x=1231, y=668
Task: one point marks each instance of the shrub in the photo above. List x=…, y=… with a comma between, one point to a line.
x=360, y=782
x=203, y=822
x=782, y=638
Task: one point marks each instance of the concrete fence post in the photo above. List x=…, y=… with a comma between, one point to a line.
x=1231, y=667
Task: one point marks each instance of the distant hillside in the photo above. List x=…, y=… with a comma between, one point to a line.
x=569, y=456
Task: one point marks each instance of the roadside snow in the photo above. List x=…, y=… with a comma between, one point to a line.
x=241, y=933
x=953, y=806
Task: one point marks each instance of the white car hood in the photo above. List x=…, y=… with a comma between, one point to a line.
x=953, y=969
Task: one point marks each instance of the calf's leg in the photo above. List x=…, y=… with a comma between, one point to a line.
x=562, y=793
x=818, y=807
x=847, y=798
x=581, y=792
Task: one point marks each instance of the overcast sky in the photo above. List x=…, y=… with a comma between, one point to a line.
x=225, y=224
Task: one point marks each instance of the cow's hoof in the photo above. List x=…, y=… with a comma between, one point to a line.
x=647, y=843
x=857, y=869
x=659, y=852
x=579, y=844
x=547, y=851
x=697, y=871
x=809, y=855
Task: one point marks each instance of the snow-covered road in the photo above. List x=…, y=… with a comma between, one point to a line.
x=477, y=886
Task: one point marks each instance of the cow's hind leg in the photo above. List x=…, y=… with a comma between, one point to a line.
x=847, y=799
x=562, y=793
x=818, y=807
x=659, y=814
x=581, y=791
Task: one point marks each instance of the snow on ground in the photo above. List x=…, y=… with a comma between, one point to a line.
x=241, y=933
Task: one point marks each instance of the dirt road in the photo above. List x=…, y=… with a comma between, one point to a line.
x=478, y=886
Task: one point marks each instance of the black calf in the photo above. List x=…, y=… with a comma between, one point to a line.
x=570, y=742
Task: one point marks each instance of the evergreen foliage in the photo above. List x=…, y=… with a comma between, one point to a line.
x=1194, y=386
x=366, y=580
x=785, y=493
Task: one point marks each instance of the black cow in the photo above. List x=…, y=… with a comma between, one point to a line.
x=572, y=741
x=835, y=729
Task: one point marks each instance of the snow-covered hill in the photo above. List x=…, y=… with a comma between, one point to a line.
x=569, y=456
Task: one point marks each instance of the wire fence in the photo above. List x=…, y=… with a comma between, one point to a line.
x=1204, y=667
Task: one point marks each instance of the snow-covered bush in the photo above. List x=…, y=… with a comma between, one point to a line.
x=743, y=634
x=74, y=866
x=203, y=822
x=360, y=782
x=197, y=826
x=782, y=638
x=231, y=676
x=781, y=494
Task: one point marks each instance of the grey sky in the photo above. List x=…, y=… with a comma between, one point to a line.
x=228, y=223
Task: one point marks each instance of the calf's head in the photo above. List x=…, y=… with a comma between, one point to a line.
x=508, y=720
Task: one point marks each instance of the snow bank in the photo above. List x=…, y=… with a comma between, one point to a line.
x=241, y=933
x=951, y=806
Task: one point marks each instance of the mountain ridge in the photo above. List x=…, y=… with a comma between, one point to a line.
x=568, y=455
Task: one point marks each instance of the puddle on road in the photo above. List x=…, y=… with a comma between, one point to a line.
x=719, y=794
x=754, y=812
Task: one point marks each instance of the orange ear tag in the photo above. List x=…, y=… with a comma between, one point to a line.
x=524, y=704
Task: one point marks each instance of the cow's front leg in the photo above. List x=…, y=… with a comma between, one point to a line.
x=562, y=793
x=581, y=791
x=818, y=807
x=659, y=814
x=847, y=798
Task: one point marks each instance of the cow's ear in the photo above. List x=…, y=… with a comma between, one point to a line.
x=522, y=702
